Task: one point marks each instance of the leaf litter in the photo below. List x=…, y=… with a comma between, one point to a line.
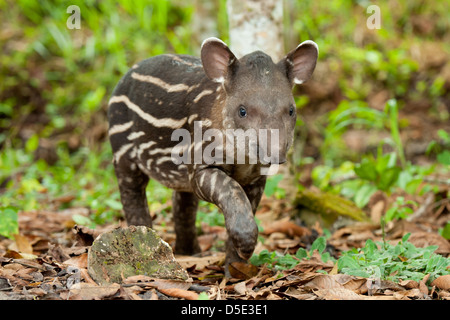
x=48, y=260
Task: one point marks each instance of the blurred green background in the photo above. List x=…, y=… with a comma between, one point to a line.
x=378, y=99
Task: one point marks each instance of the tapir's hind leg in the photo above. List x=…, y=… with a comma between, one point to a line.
x=132, y=185
x=132, y=181
x=185, y=206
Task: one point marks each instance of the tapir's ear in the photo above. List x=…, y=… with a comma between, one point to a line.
x=217, y=59
x=300, y=62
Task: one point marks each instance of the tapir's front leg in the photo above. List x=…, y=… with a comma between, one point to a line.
x=255, y=191
x=215, y=186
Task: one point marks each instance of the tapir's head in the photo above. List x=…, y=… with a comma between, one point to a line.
x=259, y=91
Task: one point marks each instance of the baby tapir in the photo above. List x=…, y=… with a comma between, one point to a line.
x=165, y=96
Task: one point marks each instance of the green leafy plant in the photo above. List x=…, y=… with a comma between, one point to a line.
x=203, y=296
x=272, y=187
x=376, y=260
x=391, y=110
x=385, y=171
x=320, y=245
x=381, y=171
x=348, y=114
x=444, y=157
x=8, y=222
x=400, y=209
x=445, y=231
x=393, y=262
x=442, y=149
x=274, y=260
x=359, y=181
x=358, y=114
x=279, y=261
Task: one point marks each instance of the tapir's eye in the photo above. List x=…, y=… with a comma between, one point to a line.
x=291, y=110
x=242, y=112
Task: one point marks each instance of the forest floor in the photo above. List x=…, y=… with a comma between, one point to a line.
x=48, y=260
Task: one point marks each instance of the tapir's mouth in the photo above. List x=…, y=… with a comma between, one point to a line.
x=274, y=162
x=271, y=157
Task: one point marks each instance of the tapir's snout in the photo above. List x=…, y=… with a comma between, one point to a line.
x=272, y=146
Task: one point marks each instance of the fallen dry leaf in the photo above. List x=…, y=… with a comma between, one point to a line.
x=266, y=293
x=207, y=229
x=390, y=285
x=275, y=277
x=361, y=236
x=422, y=239
x=215, y=293
x=25, y=273
x=272, y=296
x=80, y=261
x=423, y=285
x=287, y=227
x=242, y=270
x=87, y=277
x=407, y=294
x=170, y=284
x=338, y=294
x=379, y=297
x=180, y=293
x=206, y=241
x=442, y=282
x=323, y=281
x=334, y=270
x=57, y=253
x=137, y=278
x=445, y=295
x=409, y=284
x=15, y=266
x=132, y=292
x=86, y=291
x=36, y=292
x=22, y=244
x=45, y=221
x=240, y=288
x=285, y=244
x=314, y=263
x=12, y=254
x=357, y=284
x=160, y=284
x=29, y=263
x=299, y=294
x=200, y=262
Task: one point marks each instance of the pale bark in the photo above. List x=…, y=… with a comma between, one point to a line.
x=204, y=22
x=256, y=25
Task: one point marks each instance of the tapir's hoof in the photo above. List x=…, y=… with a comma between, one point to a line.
x=244, y=241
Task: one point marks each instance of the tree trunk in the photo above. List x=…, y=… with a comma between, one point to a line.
x=204, y=23
x=256, y=25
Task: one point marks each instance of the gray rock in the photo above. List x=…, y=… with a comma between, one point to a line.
x=125, y=252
